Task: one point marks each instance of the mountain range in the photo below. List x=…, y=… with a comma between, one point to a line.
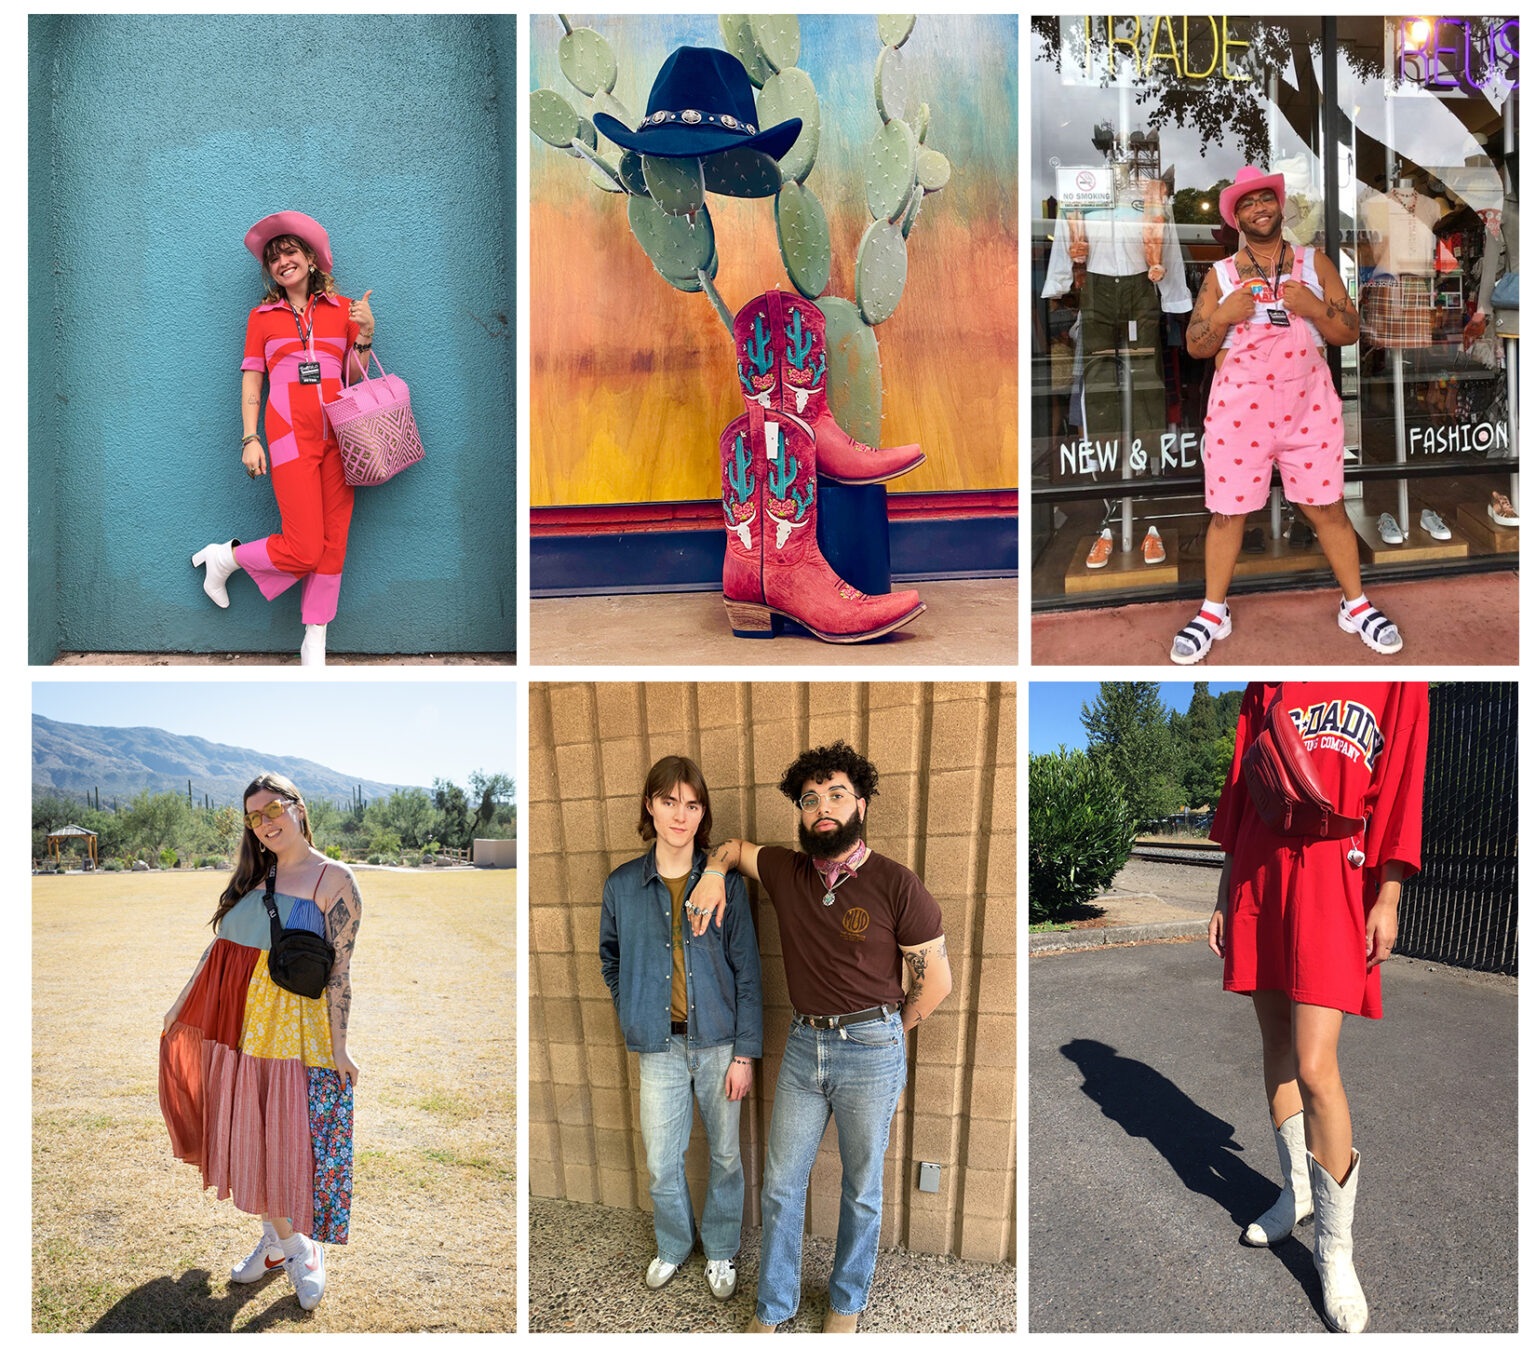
x=70, y=760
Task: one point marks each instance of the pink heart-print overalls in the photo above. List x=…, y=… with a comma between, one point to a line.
x=1272, y=403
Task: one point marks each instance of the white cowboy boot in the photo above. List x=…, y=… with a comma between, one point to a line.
x=312, y=652
x=220, y=560
x=1295, y=1202
x=1333, y=1249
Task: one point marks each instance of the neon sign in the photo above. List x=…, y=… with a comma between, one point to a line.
x=1164, y=43
x=1439, y=53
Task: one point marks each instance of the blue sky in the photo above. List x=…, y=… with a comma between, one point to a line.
x=389, y=731
x=1056, y=707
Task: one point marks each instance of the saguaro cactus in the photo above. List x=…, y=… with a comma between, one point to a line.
x=781, y=473
x=671, y=221
x=740, y=476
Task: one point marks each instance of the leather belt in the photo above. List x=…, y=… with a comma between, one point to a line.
x=833, y=1022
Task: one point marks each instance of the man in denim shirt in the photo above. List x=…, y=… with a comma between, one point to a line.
x=850, y=921
x=692, y=1007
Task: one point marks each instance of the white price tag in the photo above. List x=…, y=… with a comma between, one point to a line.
x=771, y=435
x=1133, y=330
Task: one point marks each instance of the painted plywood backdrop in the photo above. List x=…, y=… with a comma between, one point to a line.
x=633, y=381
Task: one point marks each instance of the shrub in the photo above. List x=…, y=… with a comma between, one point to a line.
x=112, y=865
x=1080, y=832
x=334, y=853
x=169, y=858
x=375, y=859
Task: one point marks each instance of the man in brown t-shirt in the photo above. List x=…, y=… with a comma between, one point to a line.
x=849, y=919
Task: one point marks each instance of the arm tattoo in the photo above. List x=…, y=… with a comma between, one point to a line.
x=917, y=963
x=341, y=924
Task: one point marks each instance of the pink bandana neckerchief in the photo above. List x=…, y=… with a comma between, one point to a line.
x=833, y=872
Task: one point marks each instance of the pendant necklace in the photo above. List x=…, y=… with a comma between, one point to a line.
x=827, y=898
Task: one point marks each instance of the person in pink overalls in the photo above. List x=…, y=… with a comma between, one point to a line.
x=1264, y=314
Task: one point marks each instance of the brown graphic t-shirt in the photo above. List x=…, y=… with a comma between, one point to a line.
x=677, y=885
x=846, y=956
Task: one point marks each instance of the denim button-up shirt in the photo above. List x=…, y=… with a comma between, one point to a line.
x=724, y=977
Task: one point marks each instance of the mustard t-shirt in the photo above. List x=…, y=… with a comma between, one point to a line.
x=677, y=885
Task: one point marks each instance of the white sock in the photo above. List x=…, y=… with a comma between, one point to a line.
x=293, y=1246
x=270, y=1234
x=1217, y=607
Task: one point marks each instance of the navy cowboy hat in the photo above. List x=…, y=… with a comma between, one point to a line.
x=700, y=104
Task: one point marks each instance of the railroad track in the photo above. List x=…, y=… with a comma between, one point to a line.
x=1190, y=853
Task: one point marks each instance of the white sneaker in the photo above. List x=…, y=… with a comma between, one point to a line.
x=312, y=650
x=266, y=1257
x=1387, y=528
x=306, y=1272
x=1432, y=525
x=220, y=560
x=721, y=1278
x=659, y=1273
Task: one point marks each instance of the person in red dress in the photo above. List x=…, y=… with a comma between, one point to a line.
x=1302, y=926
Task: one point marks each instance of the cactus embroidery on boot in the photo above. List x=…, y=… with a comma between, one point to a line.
x=739, y=496
x=801, y=373
x=757, y=349
x=793, y=503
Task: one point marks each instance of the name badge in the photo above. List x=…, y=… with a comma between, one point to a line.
x=309, y=372
x=1281, y=318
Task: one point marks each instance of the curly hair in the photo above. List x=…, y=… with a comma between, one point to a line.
x=818, y=765
x=320, y=283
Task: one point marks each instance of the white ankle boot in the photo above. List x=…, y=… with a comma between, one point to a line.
x=1333, y=1250
x=312, y=652
x=1295, y=1202
x=221, y=564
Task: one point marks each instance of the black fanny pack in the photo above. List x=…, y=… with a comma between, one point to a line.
x=299, y=961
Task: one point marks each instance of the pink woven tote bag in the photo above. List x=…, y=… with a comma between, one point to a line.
x=373, y=422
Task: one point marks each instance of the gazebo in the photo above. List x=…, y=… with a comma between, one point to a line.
x=56, y=840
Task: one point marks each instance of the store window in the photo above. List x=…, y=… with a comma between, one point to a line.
x=1138, y=123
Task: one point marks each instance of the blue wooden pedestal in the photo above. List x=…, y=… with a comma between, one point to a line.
x=853, y=531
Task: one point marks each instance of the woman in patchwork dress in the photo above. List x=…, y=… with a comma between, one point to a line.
x=255, y=1081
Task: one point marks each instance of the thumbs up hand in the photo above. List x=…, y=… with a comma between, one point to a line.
x=362, y=316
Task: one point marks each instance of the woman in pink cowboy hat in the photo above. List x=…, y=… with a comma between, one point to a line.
x=300, y=337
x=1266, y=314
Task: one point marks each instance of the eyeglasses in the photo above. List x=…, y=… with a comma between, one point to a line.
x=271, y=811
x=835, y=797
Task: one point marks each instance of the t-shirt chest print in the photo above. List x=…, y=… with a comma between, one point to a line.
x=1343, y=726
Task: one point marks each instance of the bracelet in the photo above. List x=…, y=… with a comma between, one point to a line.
x=711, y=872
x=740, y=1060
x=245, y=440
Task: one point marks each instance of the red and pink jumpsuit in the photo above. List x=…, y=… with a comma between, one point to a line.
x=304, y=458
x=1272, y=403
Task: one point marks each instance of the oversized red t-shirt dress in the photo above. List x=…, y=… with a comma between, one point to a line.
x=1296, y=909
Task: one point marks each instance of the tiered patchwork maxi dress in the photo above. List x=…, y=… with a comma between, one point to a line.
x=248, y=1085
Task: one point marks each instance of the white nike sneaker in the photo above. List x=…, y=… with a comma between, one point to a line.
x=266, y=1257
x=721, y=1278
x=306, y=1272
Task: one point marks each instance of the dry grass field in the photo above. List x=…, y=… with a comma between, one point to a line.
x=124, y=1239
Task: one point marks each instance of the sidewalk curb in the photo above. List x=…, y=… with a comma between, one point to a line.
x=1103, y=937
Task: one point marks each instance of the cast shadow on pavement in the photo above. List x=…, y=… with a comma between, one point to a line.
x=188, y=1303
x=1198, y=1145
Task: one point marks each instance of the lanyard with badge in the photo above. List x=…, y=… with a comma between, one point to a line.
x=309, y=371
x=1279, y=316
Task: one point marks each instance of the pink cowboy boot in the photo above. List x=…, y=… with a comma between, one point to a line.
x=781, y=361
x=773, y=568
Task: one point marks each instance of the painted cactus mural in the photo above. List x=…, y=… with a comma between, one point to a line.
x=669, y=215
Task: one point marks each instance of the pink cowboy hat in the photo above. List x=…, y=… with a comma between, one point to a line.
x=1249, y=179
x=296, y=223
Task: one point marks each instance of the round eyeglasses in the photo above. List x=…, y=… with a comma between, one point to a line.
x=835, y=797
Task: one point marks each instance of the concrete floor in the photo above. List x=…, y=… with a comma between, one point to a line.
x=967, y=623
x=1448, y=621
x=586, y=1272
x=279, y=659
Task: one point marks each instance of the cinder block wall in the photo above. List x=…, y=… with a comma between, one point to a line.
x=946, y=755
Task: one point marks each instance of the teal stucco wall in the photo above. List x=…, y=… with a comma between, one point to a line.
x=154, y=143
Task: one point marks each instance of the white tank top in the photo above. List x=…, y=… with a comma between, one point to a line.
x=1304, y=269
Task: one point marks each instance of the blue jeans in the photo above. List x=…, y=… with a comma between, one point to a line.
x=853, y=1076
x=670, y=1081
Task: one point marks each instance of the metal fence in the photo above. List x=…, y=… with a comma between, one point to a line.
x=1462, y=908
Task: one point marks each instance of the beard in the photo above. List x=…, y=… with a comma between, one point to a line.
x=826, y=844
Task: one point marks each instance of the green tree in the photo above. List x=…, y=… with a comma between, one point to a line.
x=153, y=821
x=493, y=791
x=453, y=813
x=1080, y=832
x=1128, y=733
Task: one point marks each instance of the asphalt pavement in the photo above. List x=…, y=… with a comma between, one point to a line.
x=1150, y=1150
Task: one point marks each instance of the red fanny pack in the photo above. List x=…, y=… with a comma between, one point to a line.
x=1284, y=787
